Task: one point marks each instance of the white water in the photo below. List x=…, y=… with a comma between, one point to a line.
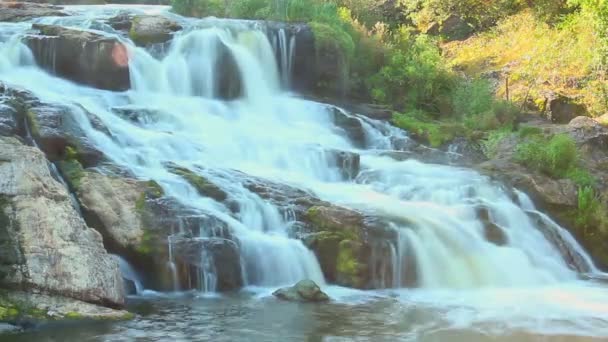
x=271, y=134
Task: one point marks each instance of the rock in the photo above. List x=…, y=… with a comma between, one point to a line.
x=348, y=163
x=8, y=119
x=200, y=183
x=101, y=61
x=46, y=245
x=110, y=205
x=338, y=240
x=221, y=254
x=303, y=291
x=561, y=109
x=453, y=28
x=8, y=328
x=30, y=309
x=350, y=125
x=22, y=11
x=152, y=29
x=138, y=115
x=557, y=193
x=372, y=111
x=121, y=22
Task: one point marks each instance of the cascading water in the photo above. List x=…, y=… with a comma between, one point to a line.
x=452, y=228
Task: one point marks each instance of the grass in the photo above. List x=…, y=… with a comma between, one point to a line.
x=436, y=133
x=537, y=57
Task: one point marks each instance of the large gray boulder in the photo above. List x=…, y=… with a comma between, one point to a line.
x=303, y=291
x=81, y=56
x=45, y=244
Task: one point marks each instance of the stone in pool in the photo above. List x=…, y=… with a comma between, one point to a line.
x=303, y=291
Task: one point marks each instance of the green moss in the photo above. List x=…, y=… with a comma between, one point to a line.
x=529, y=131
x=202, y=185
x=73, y=315
x=333, y=39
x=5, y=204
x=435, y=133
x=73, y=172
x=8, y=313
x=154, y=190
x=146, y=247
x=349, y=268
x=33, y=123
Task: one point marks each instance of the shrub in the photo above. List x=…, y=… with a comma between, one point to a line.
x=415, y=75
x=491, y=143
x=556, y=156
x=436, y=133
x=591, y=215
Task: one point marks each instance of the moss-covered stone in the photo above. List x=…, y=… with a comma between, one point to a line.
x=351, y=269
x=200, y=183
x=33, y=123
x=72, y=171
x=339, y=245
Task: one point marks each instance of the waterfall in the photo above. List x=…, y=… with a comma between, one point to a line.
x=130, y=275
x=221, y=111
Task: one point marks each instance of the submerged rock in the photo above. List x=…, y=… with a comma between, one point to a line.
x=22, y=11
x=303, y=291
x=81, y=56
x=152, y=29
x=45, y=243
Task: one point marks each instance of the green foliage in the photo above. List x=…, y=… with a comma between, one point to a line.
x=332, y=38
x=415, y=75
x=491, y=143
x=555, y=156
x=479, y=14
x=591, y=215
x=529, y=131
x=436, y=133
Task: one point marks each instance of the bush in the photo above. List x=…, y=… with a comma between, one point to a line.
x=435, y=133
x=556, y=156
x=591, y=215
x=415, y=76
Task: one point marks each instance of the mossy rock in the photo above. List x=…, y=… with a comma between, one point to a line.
x=339, y=245
x=72, y=171
x=200, y=183
x=351, y=270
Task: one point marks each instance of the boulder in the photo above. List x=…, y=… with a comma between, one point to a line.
x=303, y=291
x=46, y=246
x=200, y=183
x=348, y=163
x=338, y=238
x=220, y=255
x=350, y=125
x=110, y=205
x=152, y=29
x=100, y=61
x=562, y=109
x=29, y=309
x=22, y=11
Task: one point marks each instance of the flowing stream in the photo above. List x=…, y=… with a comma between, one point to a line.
x=467, y=288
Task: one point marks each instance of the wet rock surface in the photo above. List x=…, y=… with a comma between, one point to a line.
x=47, y=245
x=303, y=291
x=101, y=62
x=21, y=11
x=150, y=29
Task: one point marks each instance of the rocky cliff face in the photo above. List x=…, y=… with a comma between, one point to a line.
x=49, y=248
